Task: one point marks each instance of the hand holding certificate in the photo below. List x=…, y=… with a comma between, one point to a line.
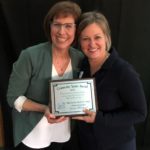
x=70, y=97
x=89, y=116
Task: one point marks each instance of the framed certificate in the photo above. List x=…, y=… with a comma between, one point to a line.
x=70, y=97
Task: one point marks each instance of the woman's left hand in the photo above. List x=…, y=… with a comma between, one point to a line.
x=89, y=117
x=51, y=118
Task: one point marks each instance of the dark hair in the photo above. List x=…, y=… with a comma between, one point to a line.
x=62, y=8
x=98, y=18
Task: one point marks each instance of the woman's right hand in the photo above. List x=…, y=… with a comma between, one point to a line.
x=51, y=118
x=30, y=105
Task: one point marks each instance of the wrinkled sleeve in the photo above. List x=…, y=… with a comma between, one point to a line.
x=20, y=77
x=132, y=95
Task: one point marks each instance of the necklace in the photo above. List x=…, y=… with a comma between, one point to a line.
x=61, y=65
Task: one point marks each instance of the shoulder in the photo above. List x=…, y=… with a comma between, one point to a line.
x=124, y=66
x=34, y=55
x=36, y=52
x=36, y=49
x=124, y=71
x=119, y=68
x=119, y=64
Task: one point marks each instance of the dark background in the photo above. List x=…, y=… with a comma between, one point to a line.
x=21, y=25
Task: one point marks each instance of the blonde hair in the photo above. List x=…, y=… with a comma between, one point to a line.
x=98, y=18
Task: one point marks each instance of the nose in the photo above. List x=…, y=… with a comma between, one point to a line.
x=61, y=30
x=92, y=43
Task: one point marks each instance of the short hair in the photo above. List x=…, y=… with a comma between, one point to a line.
x=88, y=18
x=63, y=8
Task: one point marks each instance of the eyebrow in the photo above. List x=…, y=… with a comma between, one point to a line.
x=63, y=23
x=97, y=34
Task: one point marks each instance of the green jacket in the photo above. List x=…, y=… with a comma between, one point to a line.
x=30, y=77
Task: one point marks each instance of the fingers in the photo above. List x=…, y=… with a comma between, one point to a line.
x=78, y=118
x=51, y=118
x=89, y=117
x=56, y=120
x=88, y=112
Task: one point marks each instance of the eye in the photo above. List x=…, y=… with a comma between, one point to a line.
x=56, y=25
x=85, y=39
x=98, y=37
x=69, y=26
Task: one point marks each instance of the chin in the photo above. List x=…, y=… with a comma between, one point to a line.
x=63, y=46
x=93, y=57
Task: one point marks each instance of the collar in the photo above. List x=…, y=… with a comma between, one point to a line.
x=107, y=64
x=111, y=59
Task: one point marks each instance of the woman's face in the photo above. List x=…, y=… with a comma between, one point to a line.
x=63, y=32
x=93, y=41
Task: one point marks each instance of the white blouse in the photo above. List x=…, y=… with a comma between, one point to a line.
x=44, y=133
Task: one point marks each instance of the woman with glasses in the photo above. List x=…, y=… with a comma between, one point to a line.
x=28, y=91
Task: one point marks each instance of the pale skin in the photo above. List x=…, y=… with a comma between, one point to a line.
x=61, y=41
x=89, y=117
x=93, y=44
x=30, y=105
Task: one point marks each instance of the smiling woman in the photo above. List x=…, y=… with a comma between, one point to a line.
x=28, y=90
x=120, y=94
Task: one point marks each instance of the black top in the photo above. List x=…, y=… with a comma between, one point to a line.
x=121, y=103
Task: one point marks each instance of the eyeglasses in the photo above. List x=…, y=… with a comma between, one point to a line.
x=66, y=26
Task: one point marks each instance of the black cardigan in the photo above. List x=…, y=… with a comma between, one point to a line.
x=121, y=103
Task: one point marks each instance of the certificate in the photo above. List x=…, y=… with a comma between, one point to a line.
x=70, y=97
